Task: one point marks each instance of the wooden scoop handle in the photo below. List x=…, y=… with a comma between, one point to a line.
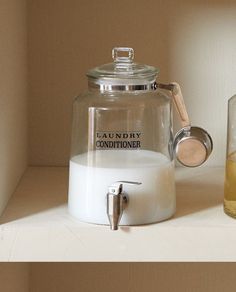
x=178, y=100
x=180, y=105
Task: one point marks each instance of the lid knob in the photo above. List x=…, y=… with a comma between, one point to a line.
x=123, y=55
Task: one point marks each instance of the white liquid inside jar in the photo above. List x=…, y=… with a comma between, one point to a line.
x=92, y=173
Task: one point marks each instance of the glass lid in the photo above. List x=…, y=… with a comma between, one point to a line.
x=123, y=71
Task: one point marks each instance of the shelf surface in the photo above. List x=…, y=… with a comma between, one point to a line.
x=36, y=225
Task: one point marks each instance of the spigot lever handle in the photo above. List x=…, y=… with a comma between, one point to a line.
x=117, y=187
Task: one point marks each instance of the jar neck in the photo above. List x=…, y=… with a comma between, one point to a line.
x=110, y=87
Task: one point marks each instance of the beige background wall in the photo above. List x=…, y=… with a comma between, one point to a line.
x=135, y=277
x=192, y=42
x=13, y=96
x=14, y=277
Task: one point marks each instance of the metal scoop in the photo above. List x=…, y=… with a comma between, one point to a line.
x=192, y=145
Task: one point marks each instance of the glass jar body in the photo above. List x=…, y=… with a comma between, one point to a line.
x=119, y=136
x=230, y=173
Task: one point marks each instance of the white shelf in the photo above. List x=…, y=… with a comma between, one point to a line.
x=36, y=226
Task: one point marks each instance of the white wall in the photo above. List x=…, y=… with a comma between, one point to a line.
x=192, y=42
x=13, y=96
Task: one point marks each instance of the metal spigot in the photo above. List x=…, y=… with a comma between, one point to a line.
x=116, y=202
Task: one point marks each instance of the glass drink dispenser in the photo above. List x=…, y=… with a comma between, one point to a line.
x=122, y=162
